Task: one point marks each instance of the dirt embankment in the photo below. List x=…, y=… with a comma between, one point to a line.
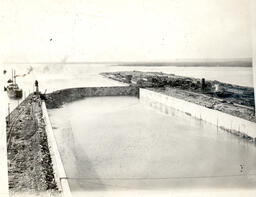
x=231, y=93
x=29, y=162
x=210, y=102
x=232, y=99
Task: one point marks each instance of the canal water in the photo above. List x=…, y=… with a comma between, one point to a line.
x=53, y=77
x=118, y=144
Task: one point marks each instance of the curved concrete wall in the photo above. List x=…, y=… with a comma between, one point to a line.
x=220, y=119
x=58, y=98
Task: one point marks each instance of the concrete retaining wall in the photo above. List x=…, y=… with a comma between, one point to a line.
x=220, y=119
x=59, y=171
x=58, y=98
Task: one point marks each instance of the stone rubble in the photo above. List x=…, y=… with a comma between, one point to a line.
x=29, y=162
x=232, y=99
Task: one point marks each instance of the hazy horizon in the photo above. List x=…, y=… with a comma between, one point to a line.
x=202, y=60
x=124, y=31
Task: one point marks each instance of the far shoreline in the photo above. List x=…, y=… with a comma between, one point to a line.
x=247, y=64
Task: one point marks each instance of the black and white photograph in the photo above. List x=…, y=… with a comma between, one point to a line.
x=127, y=98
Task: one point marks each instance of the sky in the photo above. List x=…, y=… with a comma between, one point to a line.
x=123, y=30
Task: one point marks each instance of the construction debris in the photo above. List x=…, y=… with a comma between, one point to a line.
x=29, y=161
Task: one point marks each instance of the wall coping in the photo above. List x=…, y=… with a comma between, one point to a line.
x=58, y=167
x=220, y=119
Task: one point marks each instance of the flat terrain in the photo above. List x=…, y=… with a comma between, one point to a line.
x=228, y=98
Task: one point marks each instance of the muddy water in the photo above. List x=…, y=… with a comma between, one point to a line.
x=116, y=143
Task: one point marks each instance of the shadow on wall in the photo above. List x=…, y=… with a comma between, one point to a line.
x=58, y=98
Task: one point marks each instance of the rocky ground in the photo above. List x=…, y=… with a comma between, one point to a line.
x=232, y=99
x=29, y=163
x=210, y=102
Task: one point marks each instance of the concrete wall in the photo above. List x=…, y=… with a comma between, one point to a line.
x=58, y=98
x=225, y=121
x=59, y=171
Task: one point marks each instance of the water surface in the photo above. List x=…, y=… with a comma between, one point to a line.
x=117, y=143
x=53, y=77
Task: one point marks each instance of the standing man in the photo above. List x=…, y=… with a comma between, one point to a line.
x=36, y=84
